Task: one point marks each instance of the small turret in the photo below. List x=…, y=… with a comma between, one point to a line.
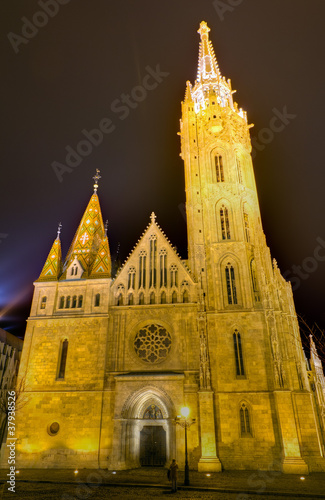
x=53, y=265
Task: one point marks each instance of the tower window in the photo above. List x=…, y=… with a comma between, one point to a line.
x=238, y=354
x=141, y=299
x=131, y=300
x=63, y=359
x=152, y=298
x=74, y=301
x=174, y=298
x=254, y=281
x=80, y=300
x=97, y=300
x=61, y=304
x=43, y=302
x=246, y=225
x=68, y=302
x=231, y=284
x=225, y=226
x=120, y=300
x=219, y=168
x=239, y=170
x=245, y=426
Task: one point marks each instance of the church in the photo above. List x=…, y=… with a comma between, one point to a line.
x=109, y=361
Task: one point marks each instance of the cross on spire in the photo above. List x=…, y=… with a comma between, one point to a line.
x=59, y=230
x=96, y=179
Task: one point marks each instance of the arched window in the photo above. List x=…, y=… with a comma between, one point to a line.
x=80, y=300
x=163, y=298
x=173, y=275
x=63, y=359
x=67, y=302
x=239, y=170
x=142, y=269
x=131, y=278
x=174, y=298
x=141, y=299
x=224, y=220
x=246, y=226
x=231, y=284
x=120, y=300
x=152, y=298
x=97, y=300
x=219, y=168
x=245, y=425
x=163, y=267
x=61, y=305
x=43, y=302
x=74, y=270
x=74, y=301
x=185, y=297
x=254, y=281
x=240, y=371
x=131, y=300
x=153, y=261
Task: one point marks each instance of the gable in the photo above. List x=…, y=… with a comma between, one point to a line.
x=155, y=270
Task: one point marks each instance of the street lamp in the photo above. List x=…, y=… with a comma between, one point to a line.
x=183, y=422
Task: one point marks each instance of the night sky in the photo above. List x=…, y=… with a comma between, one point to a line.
x=65, y=78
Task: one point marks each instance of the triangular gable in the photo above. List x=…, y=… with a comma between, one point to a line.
x=154, y=253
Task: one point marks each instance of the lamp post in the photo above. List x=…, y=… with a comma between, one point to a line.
x=185, y=423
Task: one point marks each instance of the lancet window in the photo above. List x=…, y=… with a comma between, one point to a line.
x=131, y=278
x=63, y=359
x=246, y=226
x=163, y=267
x=43, y=302
x=173, y=275
x=97, y=300
x=231, y=284
x=240, y=371
x=142, y=269
x=219, y=168
x=153, y=261
x=254, y=281
x=245, y=425
x=224, y=220
x=239, y=170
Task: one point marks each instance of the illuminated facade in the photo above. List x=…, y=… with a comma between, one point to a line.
x=110, y=362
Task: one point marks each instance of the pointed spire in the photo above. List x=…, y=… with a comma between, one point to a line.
x=53, y=264
x=188, y=93
x=89, y=237
x=208, y=66
x=316, y=361
x=153, y=217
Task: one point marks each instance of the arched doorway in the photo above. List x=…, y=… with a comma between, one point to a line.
x=148, y=427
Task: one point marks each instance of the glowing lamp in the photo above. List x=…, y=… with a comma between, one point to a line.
x=113, y=472
x=76, y=471
x=185, y=411
x=208, y=475
x=302, y=478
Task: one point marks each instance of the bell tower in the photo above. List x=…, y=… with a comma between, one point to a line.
x=223, y=215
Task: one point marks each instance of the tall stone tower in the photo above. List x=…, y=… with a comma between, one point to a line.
x=109, y=362
x=255, y=348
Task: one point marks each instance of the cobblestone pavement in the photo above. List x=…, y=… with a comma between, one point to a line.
x=37, y=491
x=57, y=484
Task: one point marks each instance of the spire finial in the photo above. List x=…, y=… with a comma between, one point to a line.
x=59, y=231
x=96, y=179
x=204, y=29
x=106, y=226
x=153, y=217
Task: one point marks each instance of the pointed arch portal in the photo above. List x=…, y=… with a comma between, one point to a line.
x=147, y=429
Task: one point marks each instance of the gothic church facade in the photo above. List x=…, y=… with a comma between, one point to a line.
x=110, y=362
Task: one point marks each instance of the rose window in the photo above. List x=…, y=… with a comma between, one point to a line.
x=152, y=343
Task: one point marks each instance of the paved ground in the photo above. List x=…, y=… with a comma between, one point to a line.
x=152, y=483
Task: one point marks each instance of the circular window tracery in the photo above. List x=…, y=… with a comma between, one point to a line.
x=152, y=343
